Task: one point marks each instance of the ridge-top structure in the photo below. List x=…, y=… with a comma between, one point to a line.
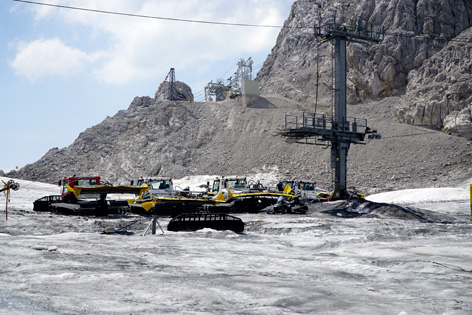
x=235, y=84
x=339, y=130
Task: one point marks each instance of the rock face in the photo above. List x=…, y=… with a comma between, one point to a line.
x=414, y=32
x=439, y=93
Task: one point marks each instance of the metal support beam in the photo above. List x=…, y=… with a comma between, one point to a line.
x=343, y=132
x=339, y=149
x=339, y=156
x=340, y=79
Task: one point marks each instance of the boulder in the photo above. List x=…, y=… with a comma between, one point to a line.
x=459, y=123
x=182, y=92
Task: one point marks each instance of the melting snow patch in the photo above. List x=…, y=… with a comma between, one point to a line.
x=422, y=195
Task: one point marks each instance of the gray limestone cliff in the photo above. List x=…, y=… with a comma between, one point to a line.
x=414, y=32
x=439, y=93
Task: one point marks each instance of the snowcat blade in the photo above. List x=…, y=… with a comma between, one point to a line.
x=148, y=205
x=220, y=198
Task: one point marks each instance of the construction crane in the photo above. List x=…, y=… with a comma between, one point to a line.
x=339, y=130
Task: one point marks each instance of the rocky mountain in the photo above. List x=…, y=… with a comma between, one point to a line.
x=415, y=31
x=235, y=137
x=225, y=138
x=439, y=93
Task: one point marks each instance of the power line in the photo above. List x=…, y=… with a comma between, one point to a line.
x=147, y=16
x=422, y=35
x=224, y=74
x=431, y=37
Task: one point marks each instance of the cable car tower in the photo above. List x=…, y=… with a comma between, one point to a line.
x=339, y=130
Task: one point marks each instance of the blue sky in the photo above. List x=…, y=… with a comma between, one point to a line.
x=63, y=71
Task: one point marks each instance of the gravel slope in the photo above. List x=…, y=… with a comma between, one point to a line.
x=227, y=138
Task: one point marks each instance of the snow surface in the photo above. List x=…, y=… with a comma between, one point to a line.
x=283, y=264
x=422, y=195
x=444, y=200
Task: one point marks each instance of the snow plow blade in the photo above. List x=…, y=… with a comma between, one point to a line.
x=197, y=221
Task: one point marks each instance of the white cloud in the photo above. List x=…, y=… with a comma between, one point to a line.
x=42, y=12
x=49, y=57
x=140, y=48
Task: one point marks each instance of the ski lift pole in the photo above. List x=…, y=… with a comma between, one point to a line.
x=11, y=184
x=6, y=191
x=6, y=204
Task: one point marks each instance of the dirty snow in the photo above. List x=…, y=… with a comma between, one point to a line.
x=282, y=264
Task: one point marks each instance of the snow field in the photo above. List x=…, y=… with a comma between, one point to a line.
x=282, y=264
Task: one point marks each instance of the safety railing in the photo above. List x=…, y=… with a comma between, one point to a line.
x=310, y=121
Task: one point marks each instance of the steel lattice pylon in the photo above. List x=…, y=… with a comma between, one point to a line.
x=244, y=72
x=219, y=90
x=172, y=84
